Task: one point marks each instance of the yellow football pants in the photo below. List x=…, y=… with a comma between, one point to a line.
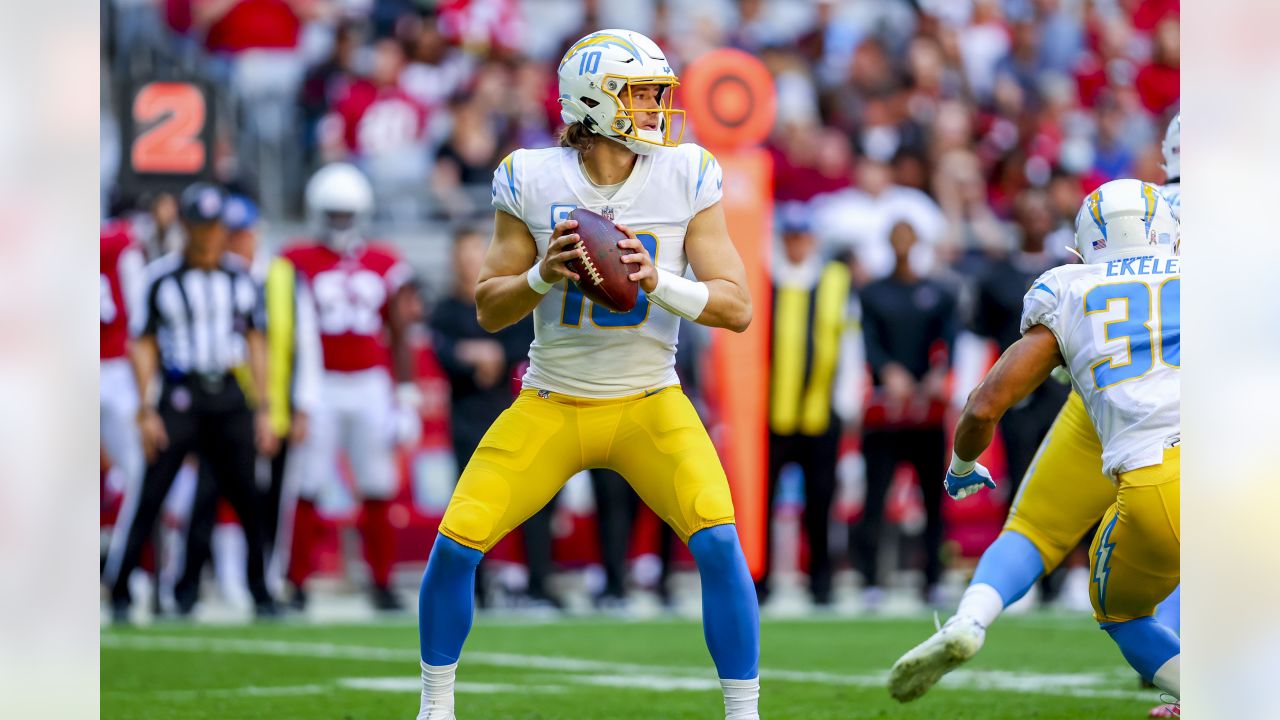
x=1134, y=559
x=655, y=440
x=1064, y=491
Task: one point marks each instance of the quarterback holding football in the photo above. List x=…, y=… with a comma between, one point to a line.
x=601, y=390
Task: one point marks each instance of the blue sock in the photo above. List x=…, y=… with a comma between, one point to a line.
x=1169, y=612
x=1011, y=565
x=730, y=614
x=446, y=601
x=1146, y=644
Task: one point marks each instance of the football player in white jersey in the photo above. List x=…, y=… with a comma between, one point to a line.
x=1114, y=323
x=601, y=389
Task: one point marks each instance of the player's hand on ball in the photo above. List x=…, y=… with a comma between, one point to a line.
x=560, y=250
x=960, y=487
x=151, y=427
x=647, y=275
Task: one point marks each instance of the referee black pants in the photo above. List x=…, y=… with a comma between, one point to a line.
x=883, y=449
x=204, y=517
x=214, y=423
x=817, y=456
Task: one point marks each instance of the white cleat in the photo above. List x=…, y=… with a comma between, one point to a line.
x=436, y=712
x=925, y=664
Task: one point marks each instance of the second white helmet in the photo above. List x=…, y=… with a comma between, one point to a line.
x=1124, y=216
x=339, y=188
x=595, y=76
x=339, y=201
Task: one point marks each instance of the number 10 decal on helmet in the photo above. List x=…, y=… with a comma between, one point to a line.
x=601, y=77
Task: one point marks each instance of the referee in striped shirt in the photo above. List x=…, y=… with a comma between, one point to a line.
x=203, y=316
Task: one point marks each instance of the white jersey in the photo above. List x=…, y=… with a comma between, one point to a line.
x=580, y=348
x=1172, y=193
x=1117, y=324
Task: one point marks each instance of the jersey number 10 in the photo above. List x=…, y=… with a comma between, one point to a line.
x=1135, y=328
x=601, y=316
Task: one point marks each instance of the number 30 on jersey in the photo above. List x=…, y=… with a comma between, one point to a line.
x=1134, y=328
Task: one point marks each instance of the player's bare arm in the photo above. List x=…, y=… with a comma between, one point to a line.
x=264, y=436
x=715, y=262
x=401, y=312
x=144, y=358
x=1018, y=372
x=504, y=293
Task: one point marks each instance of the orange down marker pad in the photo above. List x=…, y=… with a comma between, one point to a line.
x=729, y=98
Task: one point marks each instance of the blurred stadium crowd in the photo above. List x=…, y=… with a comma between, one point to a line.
x=944, y=143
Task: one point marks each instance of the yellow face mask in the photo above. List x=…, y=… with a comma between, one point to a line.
x=626, y=120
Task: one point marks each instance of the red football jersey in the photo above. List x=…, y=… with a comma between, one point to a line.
x=112, y=312
x=351, y=293
x=378, y=121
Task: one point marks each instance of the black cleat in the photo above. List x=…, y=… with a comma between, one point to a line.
x=266, y=610
x=385, y=600
x=297, y=598
x=120, y=612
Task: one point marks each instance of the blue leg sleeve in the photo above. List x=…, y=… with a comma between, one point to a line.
x=446, y=601
x=1146, y=644
x=1011, y=565
x=1169, y=612
x=730, y=614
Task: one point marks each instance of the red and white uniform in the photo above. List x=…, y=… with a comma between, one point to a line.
x=378, y=122
x=352, y=293
x=121, y=281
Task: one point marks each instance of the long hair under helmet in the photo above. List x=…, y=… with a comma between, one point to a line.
x=596, y=76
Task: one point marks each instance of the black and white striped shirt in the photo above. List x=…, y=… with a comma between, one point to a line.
x=199, y=317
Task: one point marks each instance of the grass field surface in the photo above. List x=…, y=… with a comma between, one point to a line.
x=1038, y=666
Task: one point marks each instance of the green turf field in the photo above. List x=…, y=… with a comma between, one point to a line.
x=1043, y=666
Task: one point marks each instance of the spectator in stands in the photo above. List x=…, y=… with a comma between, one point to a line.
x=383, y=129
x=436, y=70
x=1158, y=82
x=810, y=331
x=860, y=219
x=480, y=366
x=909, y=325
x=328, y=82
x=465, y=163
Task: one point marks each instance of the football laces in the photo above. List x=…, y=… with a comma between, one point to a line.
x=592, y=272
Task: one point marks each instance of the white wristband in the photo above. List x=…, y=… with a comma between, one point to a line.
x=534, y=277
x=680, y=295
x=961, y=467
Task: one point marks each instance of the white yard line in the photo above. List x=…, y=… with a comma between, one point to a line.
x=655, y=677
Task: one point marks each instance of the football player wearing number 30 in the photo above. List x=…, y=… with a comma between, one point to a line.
x=601, y=390
x=1114, y=323
x=363, y=305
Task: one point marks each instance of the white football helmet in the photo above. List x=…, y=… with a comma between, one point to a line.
x=1123, y=217
x=1172, y=149
x=339, y=201
x=596, y=75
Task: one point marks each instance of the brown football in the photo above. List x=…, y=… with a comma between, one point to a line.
x=603, y=276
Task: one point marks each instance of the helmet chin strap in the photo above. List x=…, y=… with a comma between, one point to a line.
x=640, y=147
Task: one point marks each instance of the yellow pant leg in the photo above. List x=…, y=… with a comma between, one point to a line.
x=527, y=455
x=1134, y=558
x=1064, y=491
x=664, y=452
